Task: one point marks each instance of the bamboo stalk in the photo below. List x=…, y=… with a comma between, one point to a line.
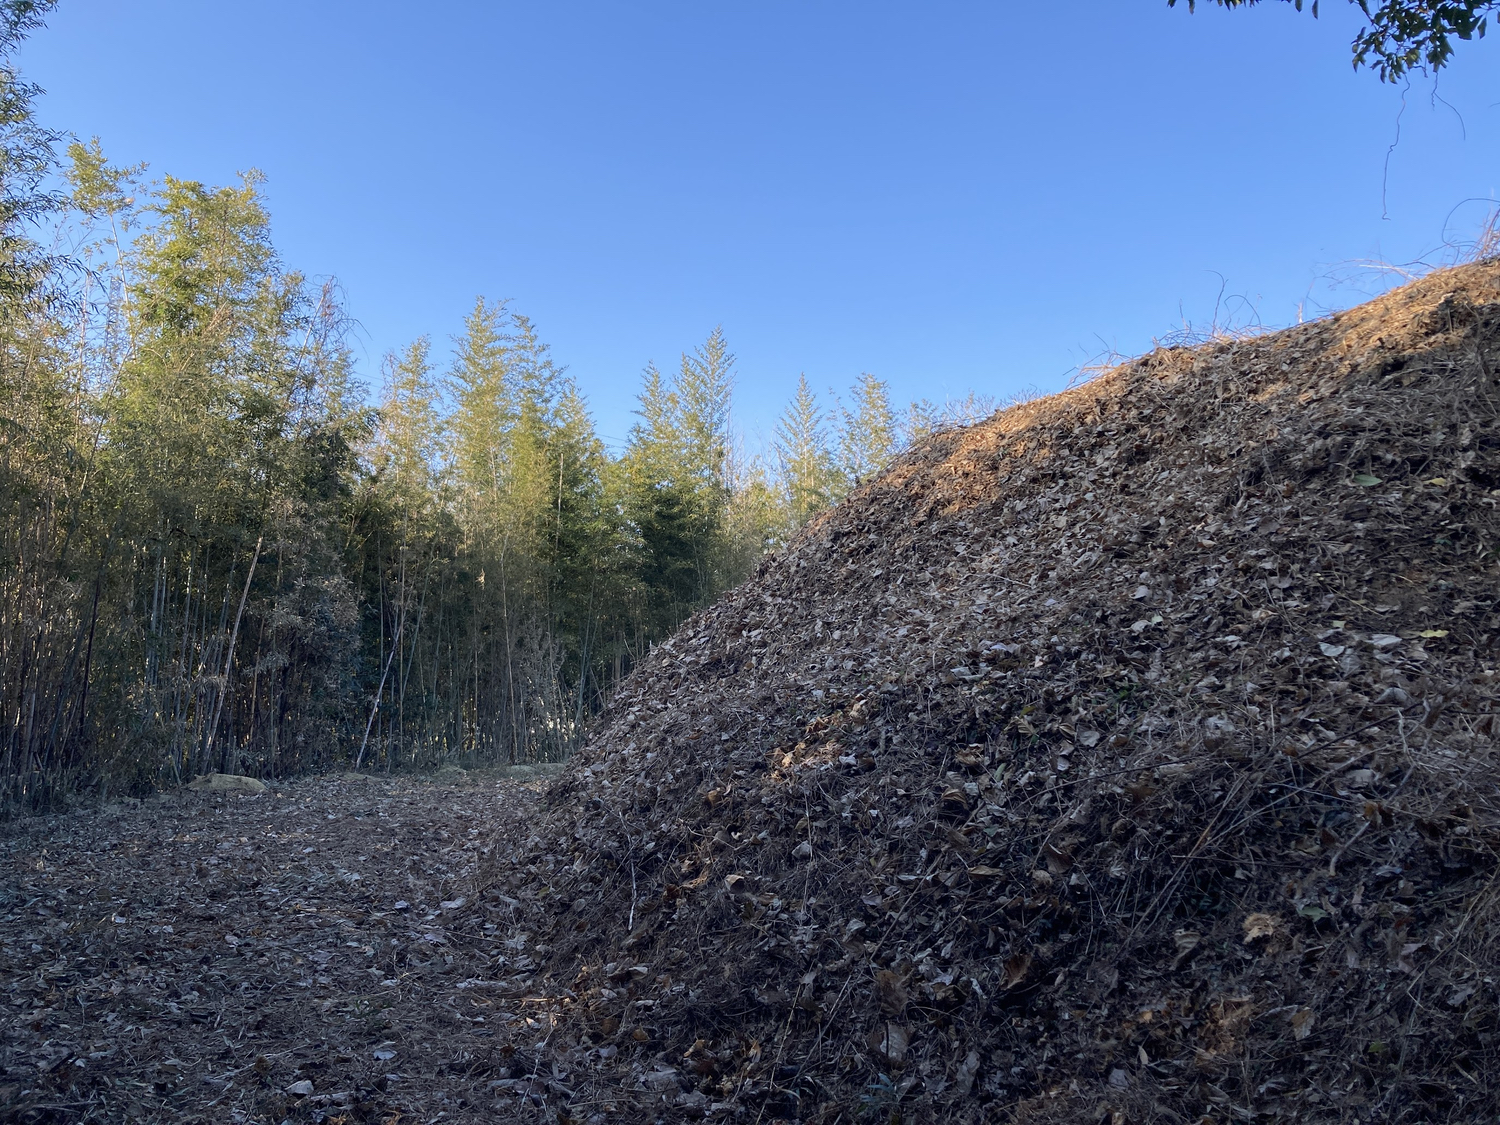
x=213, y=729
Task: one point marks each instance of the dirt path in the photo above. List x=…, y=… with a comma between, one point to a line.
x=299, y=955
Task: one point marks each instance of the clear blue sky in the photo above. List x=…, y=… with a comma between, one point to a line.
x=949, y=195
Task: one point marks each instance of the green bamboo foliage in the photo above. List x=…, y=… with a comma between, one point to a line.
x=868, y=437
x=678, y=486
x=214, y=555
x=809, y=472
x=179, y=437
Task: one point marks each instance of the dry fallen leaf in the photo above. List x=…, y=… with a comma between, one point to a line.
x=963, y=1080
x=956, y=800
x=664, y=1078
x=890, y=992
x=1017, y=969
x=889, y=1040
x=1302, y=1023
x=1460, y=995
x=1259, y=926
x=1405, y=962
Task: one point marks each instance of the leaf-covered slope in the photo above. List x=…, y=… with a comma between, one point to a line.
x=1129, y=753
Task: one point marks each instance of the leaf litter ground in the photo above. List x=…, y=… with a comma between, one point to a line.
x=299, y=955
x=1127, y=757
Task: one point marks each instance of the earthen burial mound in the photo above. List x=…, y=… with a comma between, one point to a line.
x=1129, y=756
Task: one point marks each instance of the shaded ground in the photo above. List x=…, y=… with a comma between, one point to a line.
x=196, y=957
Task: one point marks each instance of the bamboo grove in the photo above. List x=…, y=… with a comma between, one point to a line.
x=217, y=553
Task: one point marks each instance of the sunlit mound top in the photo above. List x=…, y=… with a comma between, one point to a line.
x=1127, y=755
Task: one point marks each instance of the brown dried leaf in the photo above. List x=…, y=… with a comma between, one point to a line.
x=890, y=1041
x=1259, y=926
x=890, y=992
